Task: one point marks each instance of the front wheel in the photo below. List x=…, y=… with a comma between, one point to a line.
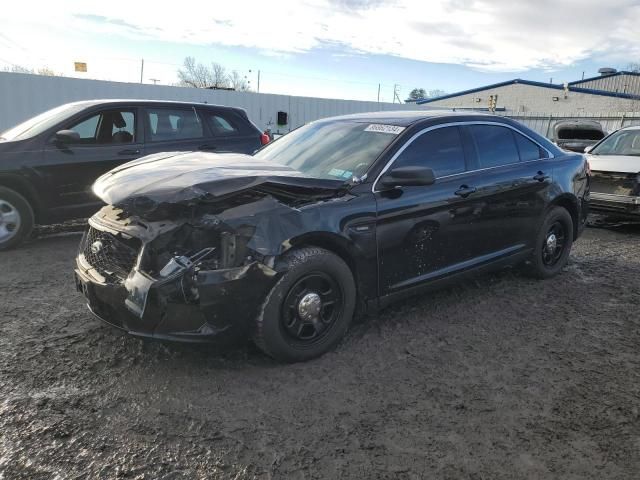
x=553, y=244
x=16, y=218
x=310, y=308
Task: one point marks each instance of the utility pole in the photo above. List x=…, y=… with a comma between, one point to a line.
x=395, y=94
x=258, y=81
x=141, y=70
x=378, y=93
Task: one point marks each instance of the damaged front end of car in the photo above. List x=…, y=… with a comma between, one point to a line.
x=193, y=259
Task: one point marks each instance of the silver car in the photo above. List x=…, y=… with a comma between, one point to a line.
x=615, y=167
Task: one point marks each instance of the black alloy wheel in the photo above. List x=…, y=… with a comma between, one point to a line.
x=553, y=244
x=311, y=308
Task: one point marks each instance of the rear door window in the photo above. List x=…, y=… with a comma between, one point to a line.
x=440, y=149
x=167, y=124
x=495, y=145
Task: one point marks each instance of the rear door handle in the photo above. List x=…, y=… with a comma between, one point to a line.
x=129, y=151
x=464, y=191
x=541, y=176
x=207, y=147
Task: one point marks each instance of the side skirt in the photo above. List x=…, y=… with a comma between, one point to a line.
x=375, y=305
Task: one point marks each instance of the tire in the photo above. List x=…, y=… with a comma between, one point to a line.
x=550, y=256
x=298, y=320
x=16, y=218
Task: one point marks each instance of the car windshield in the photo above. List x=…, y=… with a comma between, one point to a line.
x=38, y=124
x=331, y=150
x=623, y=142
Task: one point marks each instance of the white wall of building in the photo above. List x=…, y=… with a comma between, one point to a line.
x=523, y=98
x=23, y=96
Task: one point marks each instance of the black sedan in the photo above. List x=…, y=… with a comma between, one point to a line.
x=343, y=215
x=49, y=162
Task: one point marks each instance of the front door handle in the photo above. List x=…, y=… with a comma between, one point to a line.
x=464, y=191
x=541, y=176
x=207, y=147
x=129, y=151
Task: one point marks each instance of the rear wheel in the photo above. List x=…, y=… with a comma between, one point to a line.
x=553, y=244
x=310, y=308
x=16, y=218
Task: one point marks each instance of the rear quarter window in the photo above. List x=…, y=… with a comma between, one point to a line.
x=528, y=149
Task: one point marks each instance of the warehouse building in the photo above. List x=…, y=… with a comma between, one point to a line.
x=610, y=92
x=611, y=80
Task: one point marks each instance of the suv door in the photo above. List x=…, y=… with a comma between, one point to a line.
x=509, y=189
x=173, y=129
x=108, y=138
x=229, y=131
x=423, y=230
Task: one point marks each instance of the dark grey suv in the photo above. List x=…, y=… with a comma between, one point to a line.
x=49, y=162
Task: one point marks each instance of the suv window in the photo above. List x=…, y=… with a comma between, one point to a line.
x=440, y=149
x=495, y=145
x=111, y=127
x=173, y=124
x=221, y=126
x=528, y=149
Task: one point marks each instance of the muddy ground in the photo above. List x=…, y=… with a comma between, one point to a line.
x=500, y=378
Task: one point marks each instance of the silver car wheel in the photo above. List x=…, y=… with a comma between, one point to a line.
x=10, y=221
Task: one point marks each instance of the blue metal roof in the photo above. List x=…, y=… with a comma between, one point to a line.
x=589, y=91
x=622, y=72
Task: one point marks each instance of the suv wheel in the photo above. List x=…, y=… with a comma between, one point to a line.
x=16, y=218
x=553, y=244
x=310, y=308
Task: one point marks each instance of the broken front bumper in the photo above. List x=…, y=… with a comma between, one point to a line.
x=221, y=308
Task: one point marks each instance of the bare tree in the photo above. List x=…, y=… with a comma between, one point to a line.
x=633, y=67
x=436, y=93
x=238, y=82
x=47, y=72
x=194, y=74
x=198, y=75
x=220, y=77
x=17, y=69
x=40, y=71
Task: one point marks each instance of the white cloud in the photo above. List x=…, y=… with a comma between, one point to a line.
x=492, y=35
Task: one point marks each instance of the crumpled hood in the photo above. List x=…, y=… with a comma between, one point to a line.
x=182, y=177
x=614, y=163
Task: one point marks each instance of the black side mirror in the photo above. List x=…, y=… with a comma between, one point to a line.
x=408, y=177
x=67, y=136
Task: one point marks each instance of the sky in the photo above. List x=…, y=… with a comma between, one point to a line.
x=327, y=48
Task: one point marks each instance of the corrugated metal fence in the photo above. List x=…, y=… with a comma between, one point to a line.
x=543, y=123
x=23, y=96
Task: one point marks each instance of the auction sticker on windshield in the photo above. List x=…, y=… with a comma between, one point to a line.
x=380, y=128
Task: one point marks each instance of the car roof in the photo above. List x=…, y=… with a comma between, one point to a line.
x=404, y=118
x=132, y=101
